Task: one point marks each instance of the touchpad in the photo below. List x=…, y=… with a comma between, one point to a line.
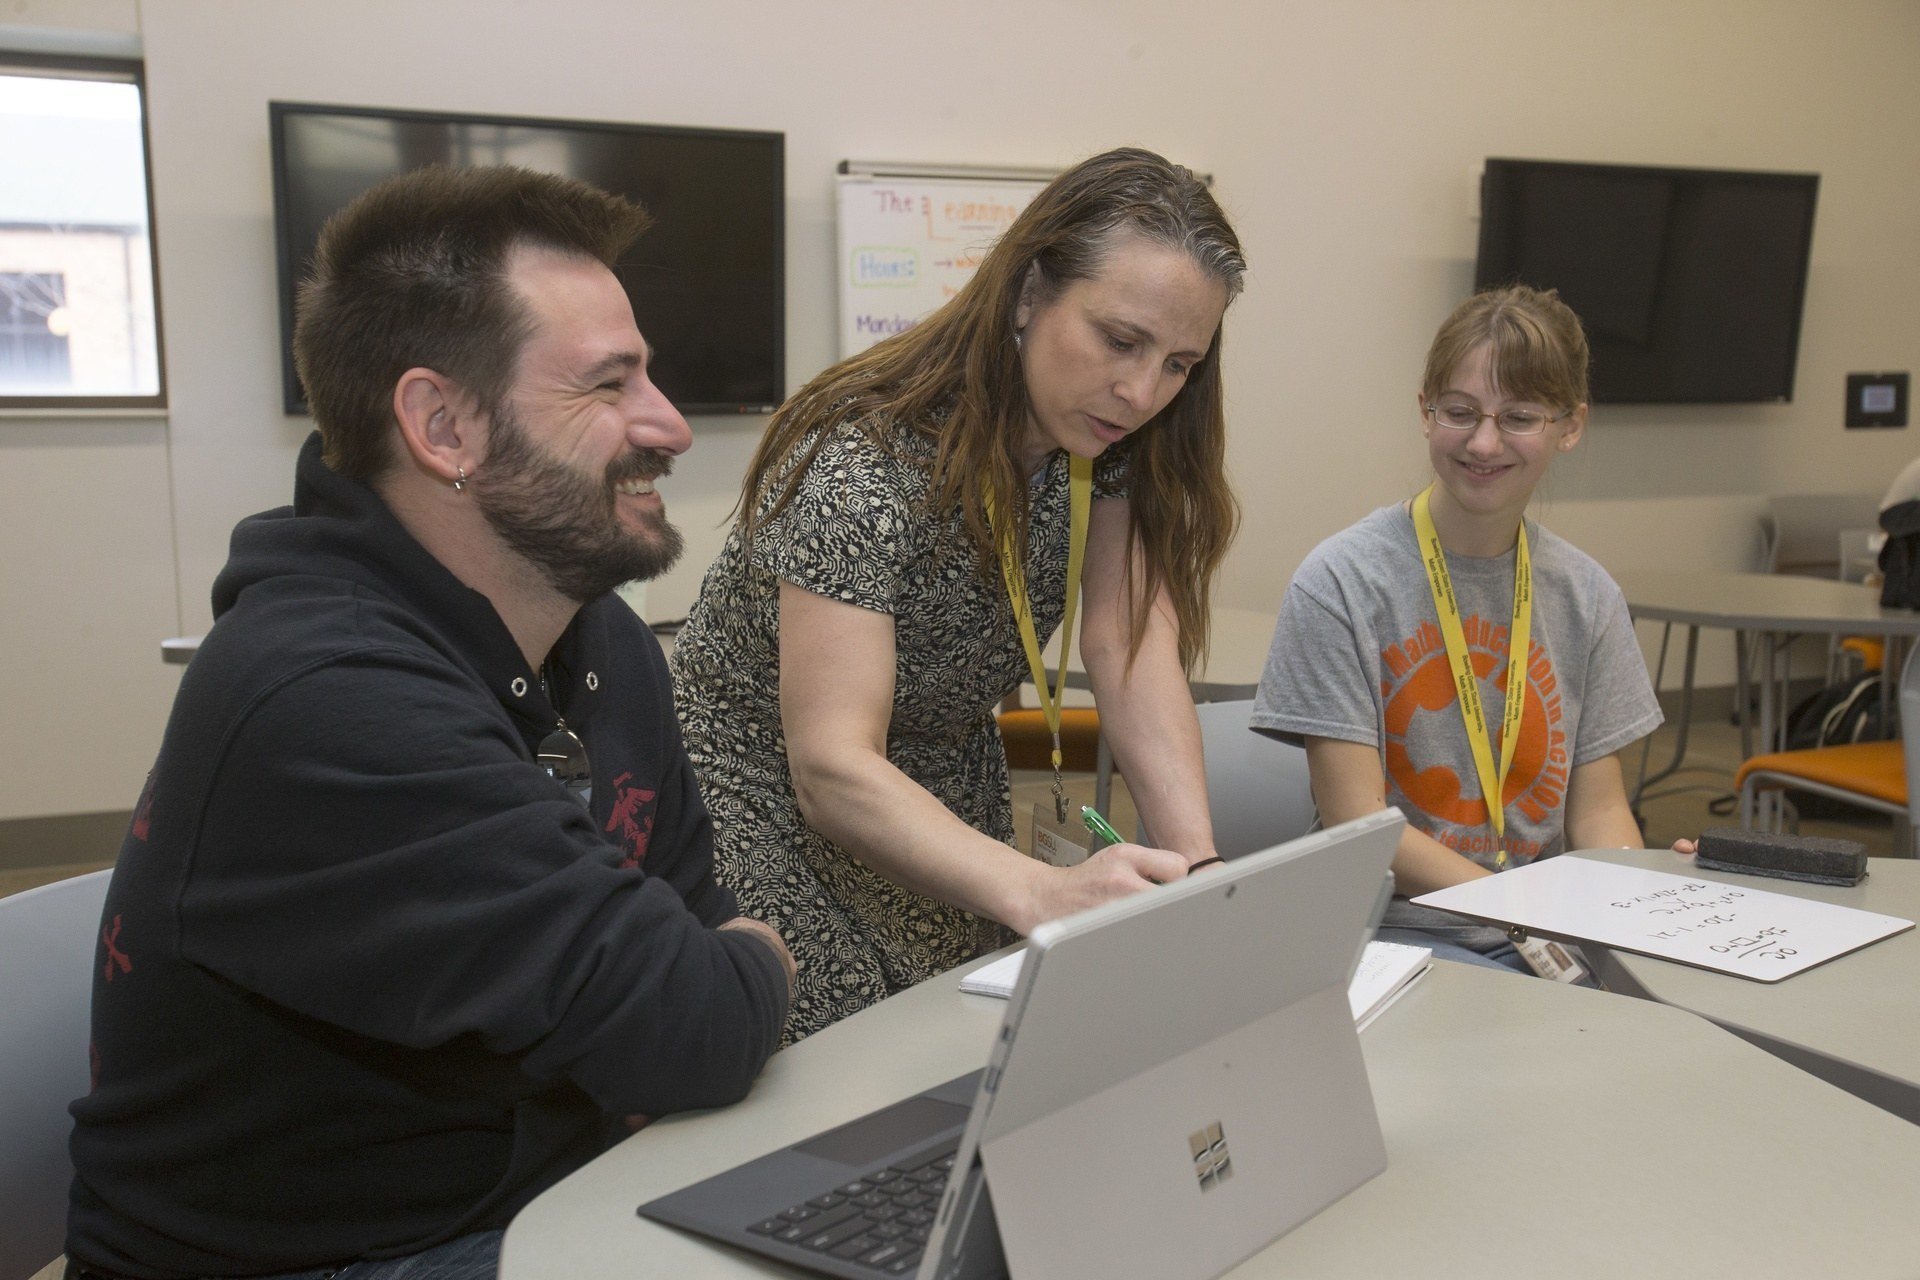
x=889, y=1130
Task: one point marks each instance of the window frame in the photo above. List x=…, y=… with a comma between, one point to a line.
x=119, y=71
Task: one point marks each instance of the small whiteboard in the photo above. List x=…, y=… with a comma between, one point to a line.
x=1710, y=924
x=907, y=244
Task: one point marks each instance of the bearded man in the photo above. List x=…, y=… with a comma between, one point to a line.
x=417, y=913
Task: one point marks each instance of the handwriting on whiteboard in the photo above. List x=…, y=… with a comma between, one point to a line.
x=908, y=245
x=1755, y=933
x=1766, y=944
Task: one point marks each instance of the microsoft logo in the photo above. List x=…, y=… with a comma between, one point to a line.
x=1211, y=1163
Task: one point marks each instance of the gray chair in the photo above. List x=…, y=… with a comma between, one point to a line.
x=1801, y=531
x=1858, y=559
x=1801, y=534
x=1257, y=786
x=47, y=938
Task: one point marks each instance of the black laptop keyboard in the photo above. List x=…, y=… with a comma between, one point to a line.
x=879, y=1221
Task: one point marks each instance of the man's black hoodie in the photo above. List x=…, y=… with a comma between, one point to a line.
x=367, y=977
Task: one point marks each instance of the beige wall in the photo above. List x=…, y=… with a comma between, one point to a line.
x=87, y=583
x=1345, y=136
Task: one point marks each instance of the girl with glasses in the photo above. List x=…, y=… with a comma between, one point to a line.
x=1386, y=622
x=918, y=521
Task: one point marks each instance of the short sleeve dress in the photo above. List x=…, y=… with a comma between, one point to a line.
x=859, y=530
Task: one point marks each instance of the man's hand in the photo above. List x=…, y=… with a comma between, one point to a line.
x=769, y=935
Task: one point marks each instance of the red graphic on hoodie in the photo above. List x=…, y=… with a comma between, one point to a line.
x=110, y=938
x=143, y=812
x=631, y=822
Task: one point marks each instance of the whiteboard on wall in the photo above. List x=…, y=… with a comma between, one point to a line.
x=909, y=241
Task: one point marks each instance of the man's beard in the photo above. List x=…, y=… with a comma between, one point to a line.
x=565, y=523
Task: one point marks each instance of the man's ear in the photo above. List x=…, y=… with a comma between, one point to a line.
x=439, y=427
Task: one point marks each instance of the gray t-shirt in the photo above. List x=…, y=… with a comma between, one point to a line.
x=1357, y=655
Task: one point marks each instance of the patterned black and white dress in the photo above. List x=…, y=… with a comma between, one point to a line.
x=858, y=530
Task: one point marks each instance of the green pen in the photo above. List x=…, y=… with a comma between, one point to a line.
x=1099, y=825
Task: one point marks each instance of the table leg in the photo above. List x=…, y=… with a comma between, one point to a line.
x=1686, y=713
x=1772, y=729
x=1892, y=660
x=1770, y=656
x=1742, y=692
x=1646, y=743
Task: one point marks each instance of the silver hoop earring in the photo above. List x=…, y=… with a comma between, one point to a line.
x=1018, y=338
x=460, y=484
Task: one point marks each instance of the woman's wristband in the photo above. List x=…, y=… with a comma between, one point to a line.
x=1204, y=862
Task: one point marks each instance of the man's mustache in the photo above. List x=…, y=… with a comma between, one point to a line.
x=641, y=464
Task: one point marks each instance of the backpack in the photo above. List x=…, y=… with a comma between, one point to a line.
x=1848, y=711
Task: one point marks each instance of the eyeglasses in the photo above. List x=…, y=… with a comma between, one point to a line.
x=1457, y=415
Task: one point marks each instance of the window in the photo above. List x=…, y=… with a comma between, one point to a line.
x=33, y=330
x=78, y=324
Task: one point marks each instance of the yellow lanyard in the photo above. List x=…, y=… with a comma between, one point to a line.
x=1013, y=572
x=1434, y=557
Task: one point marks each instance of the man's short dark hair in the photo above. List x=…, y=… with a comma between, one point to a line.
x=413, y=273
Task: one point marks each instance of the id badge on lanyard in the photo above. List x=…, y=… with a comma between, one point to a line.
x=1061, y=844
x=1493, y=778
x=1548, y=959
x=1013, y=573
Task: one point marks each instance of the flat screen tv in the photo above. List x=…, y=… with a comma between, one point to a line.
x=1690, y=281
x=708, y=280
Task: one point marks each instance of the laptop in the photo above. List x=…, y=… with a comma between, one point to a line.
x=1177, y=1083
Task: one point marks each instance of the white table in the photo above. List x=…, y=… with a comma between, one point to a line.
x=1756, y=607
x=1532, y=1130
x=1854, y=1021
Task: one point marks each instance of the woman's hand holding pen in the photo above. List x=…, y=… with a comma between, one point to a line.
x=1091, y=819
x=1115, y=872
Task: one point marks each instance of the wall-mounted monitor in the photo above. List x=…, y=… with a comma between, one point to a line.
x=1690, y=281
x=707, y=281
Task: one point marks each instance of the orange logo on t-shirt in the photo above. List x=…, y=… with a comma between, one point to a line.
x=1429, y=762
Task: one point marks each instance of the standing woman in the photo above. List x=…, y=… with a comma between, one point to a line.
x=838, y=676
x=1367, y=651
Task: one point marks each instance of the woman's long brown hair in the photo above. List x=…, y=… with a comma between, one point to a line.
x=957, y=376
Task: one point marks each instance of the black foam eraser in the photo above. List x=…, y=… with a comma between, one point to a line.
x=1815, y=859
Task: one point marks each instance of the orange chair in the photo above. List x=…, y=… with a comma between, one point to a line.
x=1029, y=746
x=1871, y=651
x=1873, y=775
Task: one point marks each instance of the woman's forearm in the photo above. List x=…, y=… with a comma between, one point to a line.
x=863, y=803
x=1146, y=707
x=1348, y=783
x=1147, y=716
